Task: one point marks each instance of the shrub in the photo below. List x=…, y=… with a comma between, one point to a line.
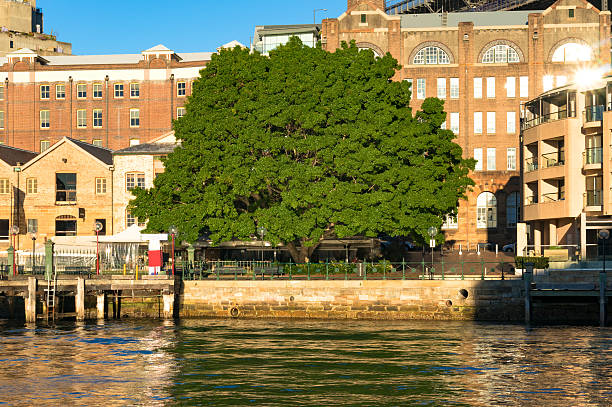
x=538, y=262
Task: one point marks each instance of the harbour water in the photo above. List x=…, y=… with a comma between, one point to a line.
x=315, y=363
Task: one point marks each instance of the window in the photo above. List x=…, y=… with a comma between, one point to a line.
x=32, y=225
x=60, y=92
x=131, y=220
x=100, y=186
x=409, y=80
x=118, y=90
x=441, y=88
x=45, y=119
x=478, y=158
x=454, y=122
x=431, y=56
x=451, y=221
x=97, y=143
x=364, y=19
x=4, y=229
x=97, y=91
x=45, y=91
x=491, y=87
x=81, y=91
x=44, y=145
x=477, y=122
x=443, y=125
x=572, y=52
x=81, y=118
x=97, y=118
x=134, y=90
x=477, y=88
x=65, y=187
x=491, y=159
x=420, y=94
x=500, y=54
x=486, y=211
x=512, y=209
x=570, y=13
x=134, y=142
x=65, y=226
x=134, y=180
x=181, y=88
x=31, y=186
x=134, y=117
x=180, y=112
x=1, y=119
x=1, y=92
x=511, y=122
x=547, y=82
x=524, y=86
x=491, y=122
x=454, y=88
x=511, y=159
x=4, y=186
x=510, y=86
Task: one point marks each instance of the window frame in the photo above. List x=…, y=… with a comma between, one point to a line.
x=454, y=88
x=511, y=129
x=478, y=89
x=421, y=91
x=441, y=88
x=478, y=121
x=486, y=215
x=431, y=55
x=455, y=122
x=491, y=123
x=47, y=143
x=58, y=94
x=31, y=186
x=511, y=163
x=101, y=186
x=184, y=88
x=478, y=158
x=491, y=87
x=97, y=90
x=81, y=89
x=45, y=122
x=81, y=122
x=134, y=88
x=45, y=92
x=5, y=186
x=491, y=163
x=100, y=119
x=134, y=119
x=135, y=182
x=179, y=109
x=2, y=119
x=119, y=90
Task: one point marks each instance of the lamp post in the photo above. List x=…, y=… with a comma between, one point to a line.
x=314, y=22
x=173, y=231
x=432, y=232
x=14, y=233
x=262, y=232
x=603, y=234
x=97, y=228
x=33, y=236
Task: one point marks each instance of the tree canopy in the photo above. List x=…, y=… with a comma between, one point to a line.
x=308, y=144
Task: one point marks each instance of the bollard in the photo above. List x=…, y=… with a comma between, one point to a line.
x=124, y=269
x=527, y=276
x=137, y=272
x=603, y=300
x=49, y=259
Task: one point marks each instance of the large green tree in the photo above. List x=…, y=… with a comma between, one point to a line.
x=308, y=144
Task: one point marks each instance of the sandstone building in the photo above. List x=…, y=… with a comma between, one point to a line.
x=485, y=65
x=21, y=26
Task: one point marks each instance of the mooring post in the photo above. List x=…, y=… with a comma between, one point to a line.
x=168, y=305
x=10, y=252
x=603, y=300
x=79, y=299
x=48, y=260
x=101, y=300
x=30, y=306
x=527, y=275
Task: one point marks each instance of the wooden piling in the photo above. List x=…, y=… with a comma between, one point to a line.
x=79, y=299
x=101, y=300
x=30, y=305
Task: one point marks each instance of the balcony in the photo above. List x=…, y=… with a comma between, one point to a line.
x=554, y=159
x=592, y=158
x=531, y=200
x=593, y=200
x=544, y=118
x=531, y=164
x=553, y=197
x=594, y=113
x=65, y=197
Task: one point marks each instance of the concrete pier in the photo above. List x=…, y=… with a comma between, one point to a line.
x=100, y=305
x=30, y=303
x=79, y=299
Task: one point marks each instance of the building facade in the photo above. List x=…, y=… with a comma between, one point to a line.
x=567, y=171
x=484, y=65
x=268, y=37
x=21, y=26
x=112, y=101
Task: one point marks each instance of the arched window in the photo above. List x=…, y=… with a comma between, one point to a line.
x=486, y=211
x=431, y=56
x=376, y=54
x=512, y=209
x=65, y=225
x=501, y=54
x=572, y=52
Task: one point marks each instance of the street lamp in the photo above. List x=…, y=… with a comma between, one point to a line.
x=173, y=231
x=432, y=232
x=33, y=236
x=14, y=233
x=97, y=228
x=604, y=234
x=314, y=22
x=262, y=232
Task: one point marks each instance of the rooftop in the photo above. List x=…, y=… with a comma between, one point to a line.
x=13, y=155
x=148, y=149
x=103, y=154
x=480, y=19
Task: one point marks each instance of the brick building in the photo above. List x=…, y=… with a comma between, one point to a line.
x=485, y=65
x=112, y=101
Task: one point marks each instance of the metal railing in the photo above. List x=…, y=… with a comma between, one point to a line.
x=530, y=200
x=553, y=197
x=531, y=164
x=593, y=198
x=553, y=159
x=593, y=155
x=594, y=113
x=545, y=118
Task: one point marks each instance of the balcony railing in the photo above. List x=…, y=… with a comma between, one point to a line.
x=594, y=198
x=594, y=113
x=65, y=196
x=593, y=155
x=530, y=200
x=531, y=164
x=545, y=118
x=553, y=159
x=553, y=197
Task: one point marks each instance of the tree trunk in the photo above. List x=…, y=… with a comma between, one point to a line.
x=301, y=253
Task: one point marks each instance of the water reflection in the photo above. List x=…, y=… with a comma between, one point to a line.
x=238, y=362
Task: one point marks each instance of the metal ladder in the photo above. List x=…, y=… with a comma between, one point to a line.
x=50, y=292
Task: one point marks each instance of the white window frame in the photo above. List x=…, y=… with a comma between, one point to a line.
x=81, y=89
x=45, y=119
x=491, y=159
x=134, y=90
x=454, y=88
x=477, y=122
x=478, y=158
x=134, y=118
x=491, y=87
x=119, y=90
x=511, y=122
x=99, y=119
x=45, y=92
x=524, y=86
x=60, y=91
x=511, y=86
x=491, y=123
x=511, y=159
x=454, y=122
x=180, y=110
x=181, y=91
x=97, y=91
x=451, y=221
x=486, y=211
x=441, y=88
x=81, y=118
x=421, y=88
x=477, y=88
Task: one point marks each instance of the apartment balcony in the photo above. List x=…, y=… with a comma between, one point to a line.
x=592, y=158
x=553, y=197
x=593, y=201
x=593, y=115
x=531, y=164
x=550, y=206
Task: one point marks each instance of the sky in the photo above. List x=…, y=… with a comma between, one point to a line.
x=132, y=26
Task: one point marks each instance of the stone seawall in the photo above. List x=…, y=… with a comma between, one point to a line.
x=355, y=299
